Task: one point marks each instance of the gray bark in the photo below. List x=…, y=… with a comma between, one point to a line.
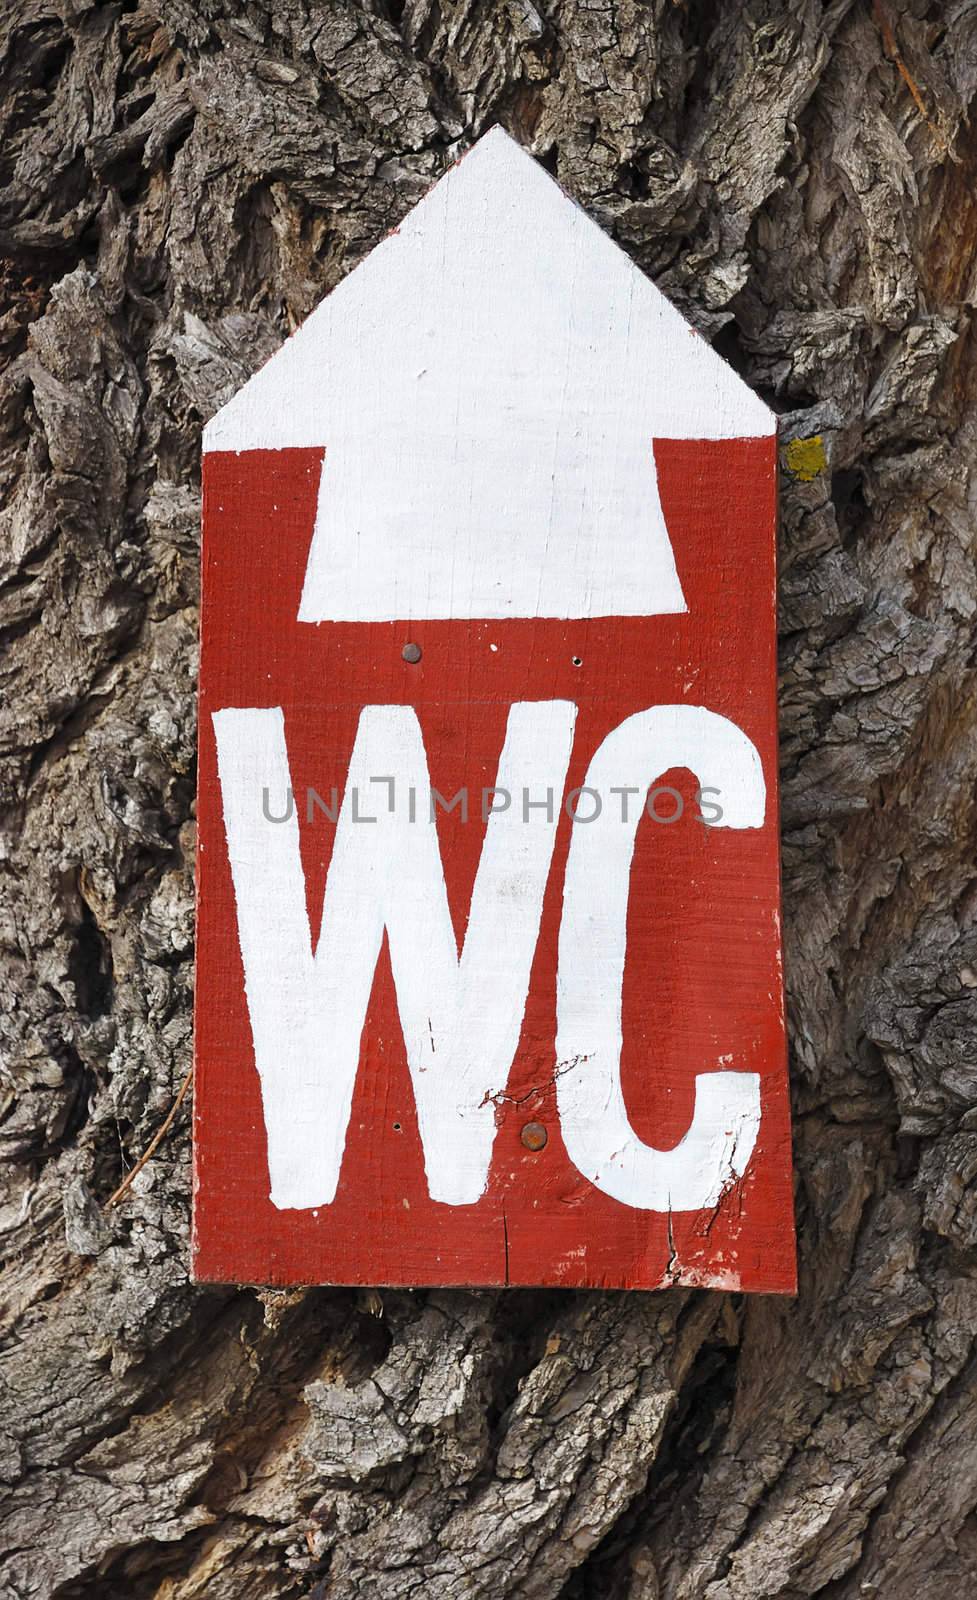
x=179, y=184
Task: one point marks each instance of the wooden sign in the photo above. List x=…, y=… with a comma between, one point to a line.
x=489, y=984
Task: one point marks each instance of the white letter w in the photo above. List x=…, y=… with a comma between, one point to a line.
x=461, y=1017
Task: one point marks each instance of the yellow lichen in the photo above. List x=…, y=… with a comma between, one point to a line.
x=806, y=457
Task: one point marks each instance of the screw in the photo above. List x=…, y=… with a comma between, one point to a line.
x=534, y=1136
x=411, y=653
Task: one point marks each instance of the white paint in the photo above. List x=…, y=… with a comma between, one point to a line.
x=599, y=1138
x=461, y=1018
x=487, y=385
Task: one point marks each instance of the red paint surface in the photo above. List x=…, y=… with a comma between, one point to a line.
x=703, y=968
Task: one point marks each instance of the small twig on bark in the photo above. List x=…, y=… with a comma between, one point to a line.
x=154, y=1142
x=891, y=46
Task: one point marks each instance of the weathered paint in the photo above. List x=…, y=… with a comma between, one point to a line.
x=385, y=1007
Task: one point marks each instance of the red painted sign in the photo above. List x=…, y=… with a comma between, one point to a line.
x=489, y=985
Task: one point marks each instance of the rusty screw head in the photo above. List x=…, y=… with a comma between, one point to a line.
x=411, y=653
x=534, y=1136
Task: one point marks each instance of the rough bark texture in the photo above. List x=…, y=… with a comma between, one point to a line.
x=180, y=182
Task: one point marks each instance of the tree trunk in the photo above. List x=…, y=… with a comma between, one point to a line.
x=180, y=183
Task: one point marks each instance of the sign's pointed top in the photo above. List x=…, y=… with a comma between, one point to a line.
x=487, y=386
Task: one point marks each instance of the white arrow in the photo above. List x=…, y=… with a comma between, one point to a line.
x=487, y=386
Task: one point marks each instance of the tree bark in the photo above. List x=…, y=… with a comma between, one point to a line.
x=180, y=183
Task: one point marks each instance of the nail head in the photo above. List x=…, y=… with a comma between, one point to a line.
x=411, y=653
x=534, y=1136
